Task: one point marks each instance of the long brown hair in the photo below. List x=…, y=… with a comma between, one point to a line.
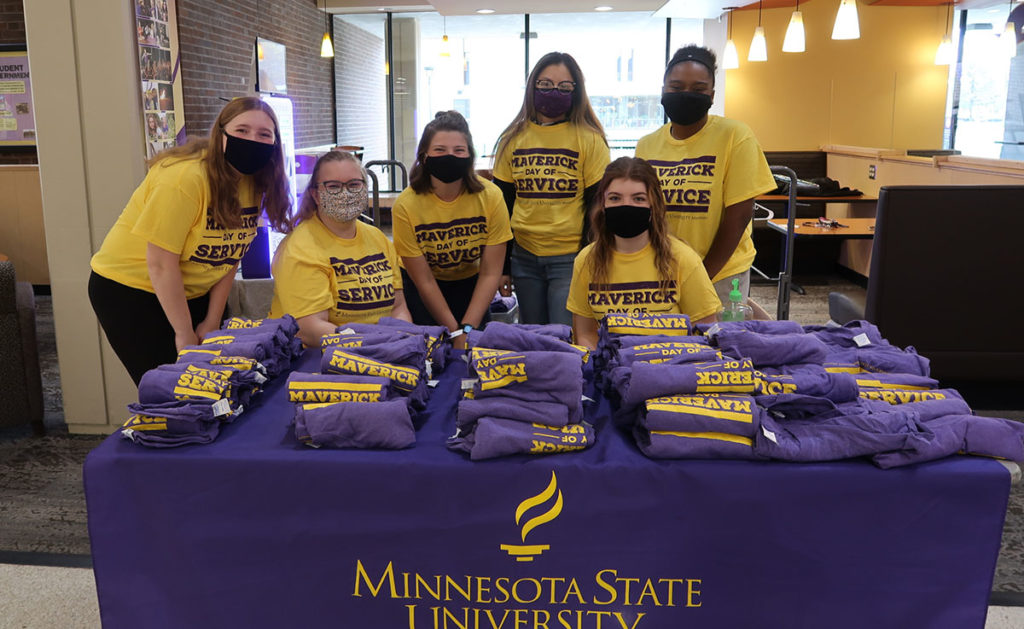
x=634, y=169
x=581, y=114
x=270, y=183
x=307, y=205
x=419, y=178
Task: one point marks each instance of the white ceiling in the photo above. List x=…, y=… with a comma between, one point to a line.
x=660, y=8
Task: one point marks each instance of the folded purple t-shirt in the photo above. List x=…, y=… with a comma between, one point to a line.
x=355, y=425
x=318, y=388
x=770, y=349
x=549, y=413
x=713, y=412
x=528, y=376
x=667, y=444
x=494, y=437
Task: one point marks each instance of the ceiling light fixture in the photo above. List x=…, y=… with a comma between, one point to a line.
x=944, y=53
x=485, y=11
x=445, y=46
x=794, y=41
x=326, y=45
x=603, y=8
x=847, y=25
x=730, y=58
x=1009, y=36
x=758, y=46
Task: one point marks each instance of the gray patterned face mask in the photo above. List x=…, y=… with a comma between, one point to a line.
x=343, y=205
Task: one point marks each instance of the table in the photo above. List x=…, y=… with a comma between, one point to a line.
x=785, y=276
x=854, y=228
x=256, y=530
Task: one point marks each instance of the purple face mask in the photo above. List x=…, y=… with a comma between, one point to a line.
x=552, y=103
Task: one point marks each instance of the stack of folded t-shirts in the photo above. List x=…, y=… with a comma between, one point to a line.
x=526, y=396
x=820, y=393
x=391, y=354
x=187, y=402
x=349, y=411
x=210, y=384
x=616, y=331
x=272, y=343
x=436, y=338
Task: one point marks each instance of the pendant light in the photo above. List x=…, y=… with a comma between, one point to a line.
x=326, y=46
x=1009, y=36
x=445, y=46
x=730, y=58
x=847, y=25
x=259, y=46
x=794, y=41
x=758, y=46
x=944, y=53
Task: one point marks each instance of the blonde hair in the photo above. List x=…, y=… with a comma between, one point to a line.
x=270, y=182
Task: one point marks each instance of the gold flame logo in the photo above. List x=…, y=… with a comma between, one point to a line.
x=524, y=551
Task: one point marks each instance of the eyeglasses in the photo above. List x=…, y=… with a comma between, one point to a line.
x=565, y=87
x=352, y=185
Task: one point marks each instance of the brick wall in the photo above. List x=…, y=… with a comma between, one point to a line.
x=12, y=31
x=216, y=39
x=361, y=88
x=12, y=22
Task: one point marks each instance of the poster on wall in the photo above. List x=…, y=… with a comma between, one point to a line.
x=17, y=122
x=159, y=71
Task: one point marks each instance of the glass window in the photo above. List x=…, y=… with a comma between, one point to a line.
x=361, y=84
x=622, y=56
x=477, y=72
x=988, y=122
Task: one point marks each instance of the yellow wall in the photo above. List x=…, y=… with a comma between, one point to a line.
x=881, y=90
x=22, y=238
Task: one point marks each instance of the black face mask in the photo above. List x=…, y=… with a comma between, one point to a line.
x=685, y=108
x=448, y=168
x=247, y=156
x=627, y=221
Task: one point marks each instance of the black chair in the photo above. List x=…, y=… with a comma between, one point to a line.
x=946, y=278
x=21, y=394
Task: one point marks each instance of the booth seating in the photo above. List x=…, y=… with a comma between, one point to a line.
x=945, y=278
x=21, y=394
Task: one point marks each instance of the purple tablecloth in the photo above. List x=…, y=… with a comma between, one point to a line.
x=256, y=530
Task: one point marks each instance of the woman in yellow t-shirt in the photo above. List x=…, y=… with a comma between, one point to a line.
x=333, y=268
x=634, y=265
x=161, y=278
x=549, y=161
x=710, y=169
x=450, y=229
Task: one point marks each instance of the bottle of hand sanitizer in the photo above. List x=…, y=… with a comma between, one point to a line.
x=737, y=310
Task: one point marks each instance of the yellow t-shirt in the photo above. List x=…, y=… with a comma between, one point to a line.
x=633, y=285
x=550, y=166
x=171, y=209
x=700, y=176
x=353, y=279
x=450, y=235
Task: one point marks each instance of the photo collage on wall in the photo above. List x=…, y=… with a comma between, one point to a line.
x=156, y=66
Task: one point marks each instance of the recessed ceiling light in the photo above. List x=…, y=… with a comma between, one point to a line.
x=602, y=8
x=485, y=11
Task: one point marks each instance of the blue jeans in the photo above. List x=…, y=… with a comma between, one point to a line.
x=542, y=286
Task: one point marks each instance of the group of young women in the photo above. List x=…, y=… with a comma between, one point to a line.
x=670, y=228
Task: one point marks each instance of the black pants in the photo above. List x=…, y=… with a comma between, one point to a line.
x=457, y=293
x=136, y=325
